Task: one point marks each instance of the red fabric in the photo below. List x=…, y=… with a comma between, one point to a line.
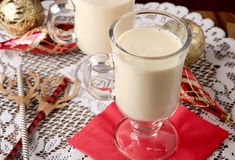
x=198, y=138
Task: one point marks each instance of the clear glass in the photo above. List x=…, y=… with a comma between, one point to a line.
x=93, y=19
x=144, y=86
x=147, y=86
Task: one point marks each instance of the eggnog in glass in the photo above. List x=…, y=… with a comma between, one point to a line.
x=149, y=49
x=93, y=19
x=146, y=90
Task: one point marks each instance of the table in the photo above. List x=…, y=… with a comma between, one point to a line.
x=215, y=70
x=224, y=20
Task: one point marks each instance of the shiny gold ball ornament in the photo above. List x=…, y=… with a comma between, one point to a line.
x=197, y=45
x=19, y=16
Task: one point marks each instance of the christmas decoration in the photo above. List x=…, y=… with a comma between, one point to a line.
x=7, y=86
x=193, y=94
x=58, y=99
x=19, y=16
x=197, y=45
x=38, y=41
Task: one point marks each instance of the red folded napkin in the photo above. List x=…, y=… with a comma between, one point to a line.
x=197, y=137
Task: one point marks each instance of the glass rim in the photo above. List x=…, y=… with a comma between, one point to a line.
x=185, y=44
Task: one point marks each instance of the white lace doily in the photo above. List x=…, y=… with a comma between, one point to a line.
x=215, y=70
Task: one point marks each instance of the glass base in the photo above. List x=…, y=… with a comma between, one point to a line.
x=159, y=145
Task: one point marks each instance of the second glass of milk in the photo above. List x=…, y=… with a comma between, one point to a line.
x=93, y=19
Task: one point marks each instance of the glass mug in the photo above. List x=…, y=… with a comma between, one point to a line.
x=93, y=19
x=149, y=50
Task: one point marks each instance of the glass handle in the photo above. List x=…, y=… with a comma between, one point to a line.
x=99, y=76
x=59, y=36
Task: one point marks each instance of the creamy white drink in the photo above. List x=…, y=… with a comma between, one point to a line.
x=145, y=89
x=93, y=19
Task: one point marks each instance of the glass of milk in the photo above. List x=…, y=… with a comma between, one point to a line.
x=93, y=19
x=149, y=49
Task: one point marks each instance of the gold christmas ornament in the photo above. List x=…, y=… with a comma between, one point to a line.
x=197, y=45
x=19, y=16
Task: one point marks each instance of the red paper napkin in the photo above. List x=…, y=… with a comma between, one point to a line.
x=197, y=137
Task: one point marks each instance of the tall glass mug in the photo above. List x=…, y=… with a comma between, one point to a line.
x=149, y=49
x=93, y=19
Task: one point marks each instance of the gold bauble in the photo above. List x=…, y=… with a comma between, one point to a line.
x=19, y=16
x=197, y=45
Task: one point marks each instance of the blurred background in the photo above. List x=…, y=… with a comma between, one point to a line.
x=222, y=12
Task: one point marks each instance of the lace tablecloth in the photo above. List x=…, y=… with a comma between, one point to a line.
x=215, y=70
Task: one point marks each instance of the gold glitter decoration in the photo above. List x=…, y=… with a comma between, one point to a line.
x=197, y=45
x=19, y=16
